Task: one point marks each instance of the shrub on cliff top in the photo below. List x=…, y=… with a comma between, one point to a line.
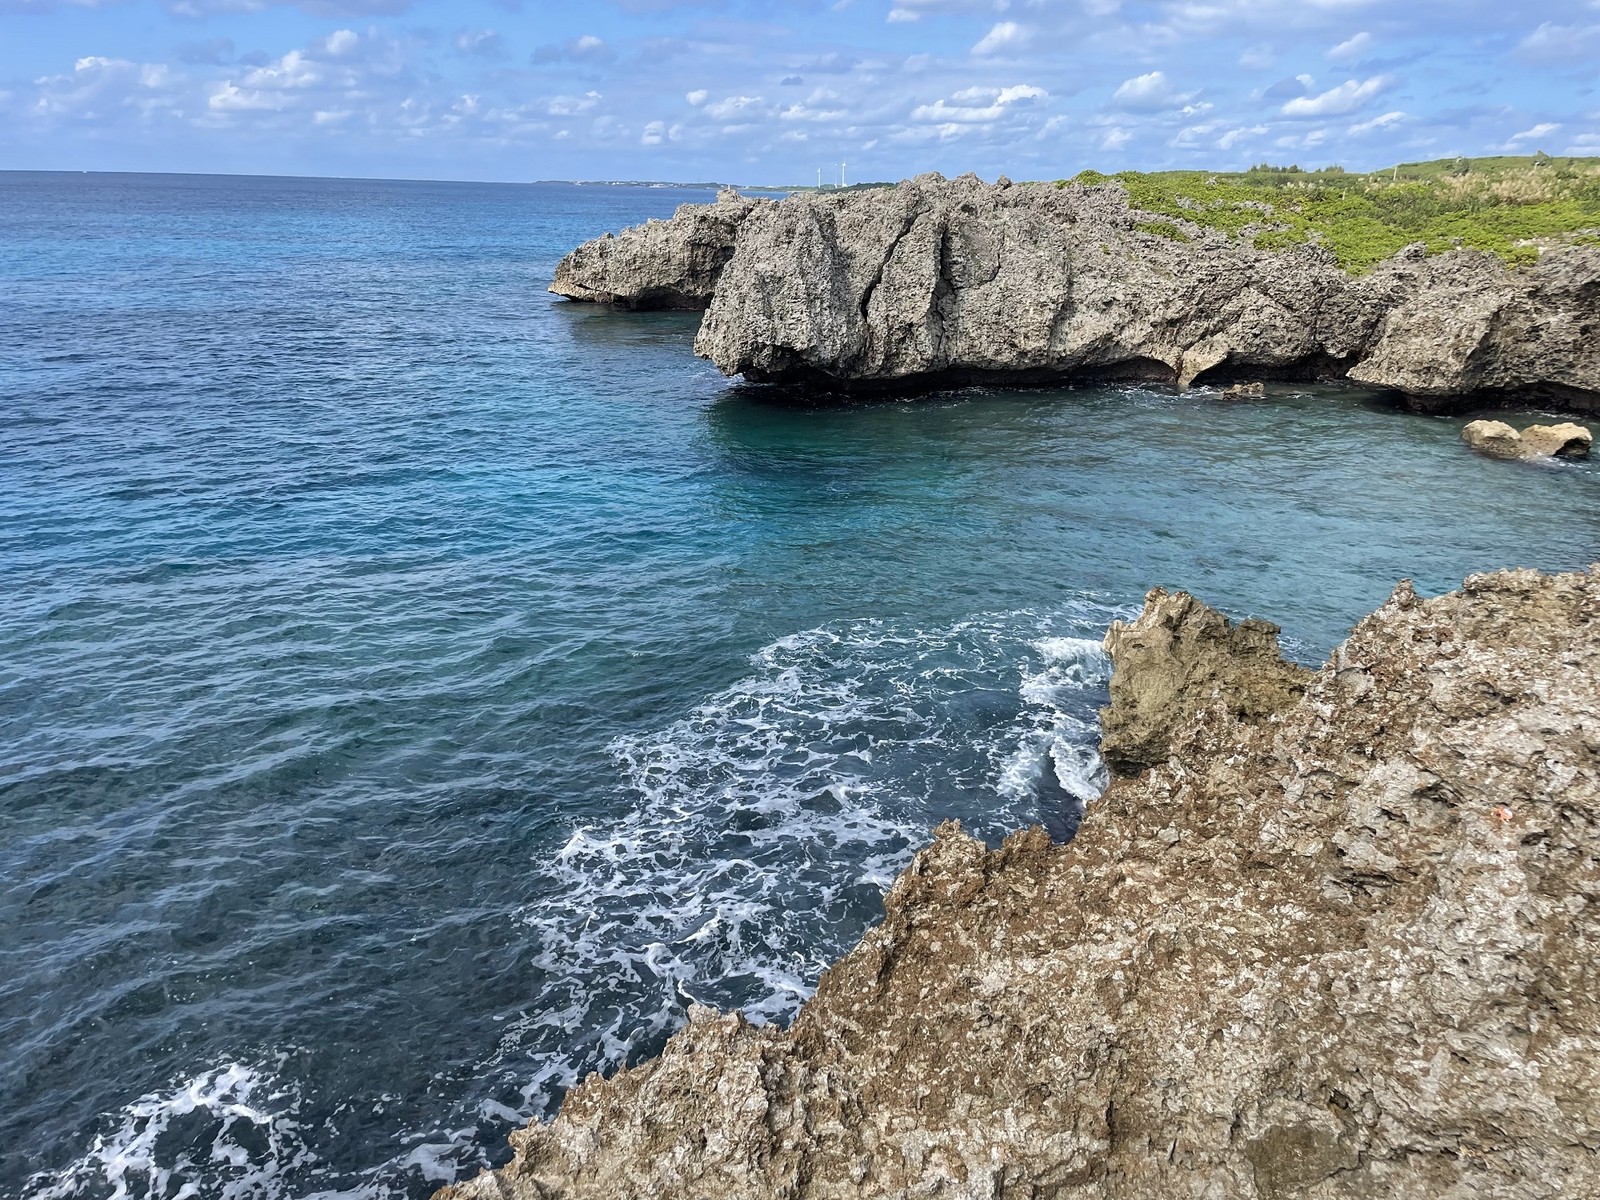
x=1504, y=206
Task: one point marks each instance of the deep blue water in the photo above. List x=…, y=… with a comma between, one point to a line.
x=415, y=689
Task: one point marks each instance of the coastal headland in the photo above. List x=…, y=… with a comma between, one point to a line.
x=1336, y=941
x=1328, y=934
x=937, y=282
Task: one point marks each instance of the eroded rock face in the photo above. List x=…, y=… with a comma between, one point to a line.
x=1558, y=441
x=943, y=281
x=671, y=264
x=1462, y=323
x=1179, y=657
x=1499, y=440
x=1349, y=953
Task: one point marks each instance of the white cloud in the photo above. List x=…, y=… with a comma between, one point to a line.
x=1007, y=36
x=1560, y=43
x=899, y=15
x=1115, y=139
x=1149, y=93
x=654, y=134
x=1519, y=141
x=1543, y=129
x=698, y=97
x=1347, y=97
x=485, y=43
x=1234, y=136
x=341, y=42
x=733, y=106
x=978, y=105
x=1351, y=49
x=1379, y=122
x=571, y=106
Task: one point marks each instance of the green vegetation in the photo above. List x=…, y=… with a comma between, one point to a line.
x=1506, y=206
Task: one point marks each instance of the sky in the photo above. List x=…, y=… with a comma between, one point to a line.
x=776, y=92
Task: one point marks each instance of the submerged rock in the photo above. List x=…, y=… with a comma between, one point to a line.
x=940, y=281
x=1245, y=391
x=1499, y=440
x=1349, y=952
x=671, y=264
x=1179, y=657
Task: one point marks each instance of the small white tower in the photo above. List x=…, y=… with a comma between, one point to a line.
x=841, y=174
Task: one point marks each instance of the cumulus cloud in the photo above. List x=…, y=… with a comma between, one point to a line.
x=1352, y=49
x=1347, y=97
x=100, y=87
x=572, y=106
x=979, y=105
x=734, y=106
x=1006, y=37
x=1151, y=92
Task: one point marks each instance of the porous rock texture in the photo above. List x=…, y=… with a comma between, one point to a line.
x=939, y=281
x=1499, y=440
x=1352, y=952
x=1179, y=657
x=670, y=264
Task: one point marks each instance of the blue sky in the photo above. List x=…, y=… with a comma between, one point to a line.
x=771, y=93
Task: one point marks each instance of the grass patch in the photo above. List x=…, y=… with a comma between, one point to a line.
x=1500, y=205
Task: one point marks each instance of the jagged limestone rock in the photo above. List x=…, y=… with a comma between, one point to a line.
x=1347, y=954
x=1245, y=391
x=1499, y=440
x=1566, y=440
x=940, y=281
x=1179, y=657
x=670, y=264
x=1494, y=438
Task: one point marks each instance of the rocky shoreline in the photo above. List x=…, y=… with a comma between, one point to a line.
x=1327, y=935
x=937, y=282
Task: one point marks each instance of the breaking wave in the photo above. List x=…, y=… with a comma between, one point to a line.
x=768, y=822
x=751, y=847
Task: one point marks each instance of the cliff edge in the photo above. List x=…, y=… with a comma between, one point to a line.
x=937, y=282
x=1338, y=943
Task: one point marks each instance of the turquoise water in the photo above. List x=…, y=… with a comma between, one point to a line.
x=417, y=689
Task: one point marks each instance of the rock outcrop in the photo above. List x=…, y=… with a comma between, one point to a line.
x=671, y=264
x=934, y=282
x=1179, y=657
x=1350, y=952
x=1499, y=440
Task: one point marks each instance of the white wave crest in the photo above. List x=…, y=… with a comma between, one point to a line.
x=768, y=821
x=231, y=1127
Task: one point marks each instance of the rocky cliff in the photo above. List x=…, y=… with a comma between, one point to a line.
x=945, y=281
x=671, y=264
x=1336, y=944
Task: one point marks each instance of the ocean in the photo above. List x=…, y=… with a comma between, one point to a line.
x=417, y=689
